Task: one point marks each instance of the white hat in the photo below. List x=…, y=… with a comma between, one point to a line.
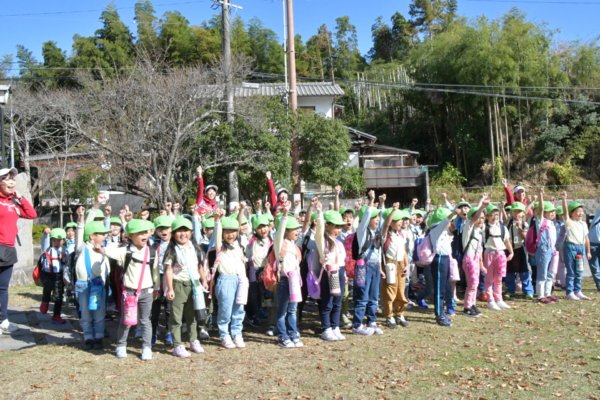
x=6, y=171
x=282, y=190
x=213, y=187
x=518, y=188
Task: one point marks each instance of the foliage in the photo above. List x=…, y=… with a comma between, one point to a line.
x=84, y=186
x=564, y=174
x=450, y=176
x=37, y=231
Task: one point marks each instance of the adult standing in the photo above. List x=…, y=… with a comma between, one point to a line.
x=12, y=207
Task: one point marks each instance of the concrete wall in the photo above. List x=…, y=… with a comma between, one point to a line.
x=322, y=104
x=25, y=253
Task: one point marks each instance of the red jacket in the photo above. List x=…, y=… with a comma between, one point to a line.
x=9, y=215
x=203, y=203
x=275, y=204
x=510, y=199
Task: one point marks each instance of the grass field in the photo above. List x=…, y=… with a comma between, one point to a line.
x=530, y=352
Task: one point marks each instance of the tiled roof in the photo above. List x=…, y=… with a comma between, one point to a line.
x=278, y=89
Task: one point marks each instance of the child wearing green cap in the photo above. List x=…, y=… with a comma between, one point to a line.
x=256, y=253
x=546, y=249
x=517, y=230
x=472, y=242
x=561, y=234
x=52, y=262
x=230, y=266
x=594, y=239
x=577, y=243
x=162, y=235
x=497, y=241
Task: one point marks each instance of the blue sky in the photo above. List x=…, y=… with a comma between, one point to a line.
x=573, y=21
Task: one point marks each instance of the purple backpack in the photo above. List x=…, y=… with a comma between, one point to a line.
x=425, y=251
x=313, y=282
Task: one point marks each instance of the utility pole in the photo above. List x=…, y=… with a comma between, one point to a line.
x=293, y=96
x=233, y=193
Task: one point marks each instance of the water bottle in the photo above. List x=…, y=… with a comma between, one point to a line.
x=241, y=297
x=334, y=281
x=199, y=305
x=579, y=263
x=390, y=273
x=295, y=283
x=130, y=316
x=95, y=297
x=360, y=274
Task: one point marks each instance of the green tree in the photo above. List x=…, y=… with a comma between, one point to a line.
x=145, y=21
x=347, y=57
x=264, y=47
x=177, y=38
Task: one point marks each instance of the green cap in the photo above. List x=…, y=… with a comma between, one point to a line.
x=333, y=217
x=181, y=222
x=71, y=225
x=574, y=205
x=58, y=233
x=419, y=212
x=490, y=208
x=397, y=215
x=292, y=223
x=260, y=220
x=549, y=207
x=244, y=220
x=93, y=227
x=138, y=225
x=462, y=204
x=344, y=210
x=536, y=204
x=164, y=221
x=98, y=214
x=517, y=205
x=362, y=210
x=269, y=217
x=115, y=221
x=559, y=210
x=438, y=216
x=208, y=224
x=207, y=216
x=472, y=212
x=230, y=223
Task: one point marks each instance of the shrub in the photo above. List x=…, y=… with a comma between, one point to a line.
x=37, y=231
x=450, y=176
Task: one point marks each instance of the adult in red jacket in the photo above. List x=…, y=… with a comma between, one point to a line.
x=517, y=194
x=206, y=202
x=12, y=207
x=278, y=199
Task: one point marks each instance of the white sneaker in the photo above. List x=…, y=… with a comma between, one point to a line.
x=328, y=335
x=7, y=328
x=338, y=334
x=271, y=330
x=376, y=330
x=298, y=342
x=493, y=306
x=239, y=341
x=227, y=342
x=502, y=304
x=572, y=296
x=582, y=296
x=363, y=330
x=203, y=334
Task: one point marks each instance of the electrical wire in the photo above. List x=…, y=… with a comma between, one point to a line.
x=536, y=2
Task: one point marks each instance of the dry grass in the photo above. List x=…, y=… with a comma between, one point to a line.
x=531, y=352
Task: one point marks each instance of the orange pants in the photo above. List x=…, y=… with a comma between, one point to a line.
x=393, y=299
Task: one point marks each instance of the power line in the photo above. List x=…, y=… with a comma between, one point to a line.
x=537, y=2
x=96, y=10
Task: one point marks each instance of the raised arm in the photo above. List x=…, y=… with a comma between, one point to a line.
x=447, y=204
x=483, y=203
x=320, y=232
x=336, y=200
x=26, y=209
x=80, y=227
x=509, y=194
x=280, y=235
x=200, y=190
x=568, y=220
x=361, y=231
x=311, y=206
x=389, y=219
x=539, y=211
x=272, y=194
x=218, y=232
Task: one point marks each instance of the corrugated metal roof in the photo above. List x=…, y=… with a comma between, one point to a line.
x=279, y=89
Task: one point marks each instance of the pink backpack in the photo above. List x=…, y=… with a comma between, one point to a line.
x=426, y=251
x=532, y=238
x=350, y=262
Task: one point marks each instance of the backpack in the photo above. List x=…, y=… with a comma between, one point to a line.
x=425, y=250
x=357, y=253
x=270, y=275
x=350, y=262
x=70, y=272
x=458, y=250
x=532, y=238
x=129, y=258
x=313, y=282
x=487, y=233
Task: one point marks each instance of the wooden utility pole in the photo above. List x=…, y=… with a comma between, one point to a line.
x=293, y=95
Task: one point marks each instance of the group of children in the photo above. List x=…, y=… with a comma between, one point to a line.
x=209, y=268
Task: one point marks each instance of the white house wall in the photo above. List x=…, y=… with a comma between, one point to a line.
x=322, y=104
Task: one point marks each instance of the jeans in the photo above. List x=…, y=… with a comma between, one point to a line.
x=92, y=322
x=5, y=275
x=545, y=277
x=365, y=298
x=252, y=305
x=573, y=277
x=229, y=312
x=330, y=307
x=144, y=310
x=183, y=306
x=423, y=294
x=286, y=311
x=481, y=285
x=511, y=282
x=440, y=272
x=595, y=263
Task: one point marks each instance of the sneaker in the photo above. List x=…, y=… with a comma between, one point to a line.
x=169, y=338
x=227, y=342
x=545, y=300
x=572, y=296
x=286, y=344
x=493, y=306
x=451, y=310
x=582, y=296
x=443, y=321
x=251, y=322
x=422, y=304
x=121, y=352
x=346, y=323
x=203, y=334
x=401, y=321
x=502, y=304
x=7, y=328
x=474, y=308
x=483, y=297
x=328, y=335
x=271, y=330
x=509, y=296
x=528, y=297
x=239, y=342
x=554, y=299
x=298, y=342
x=410, y=305
x=469, y=312
x=181, y=352
x=153, y=341
x=391, y=323
x=146, y=354
x=44, y=307
x=363, y=330
x=338, y=335
x=58, y=320
x=376, y=330
x=98, y=344
x=88, y=345
x=138, y=332
x=196, y=347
